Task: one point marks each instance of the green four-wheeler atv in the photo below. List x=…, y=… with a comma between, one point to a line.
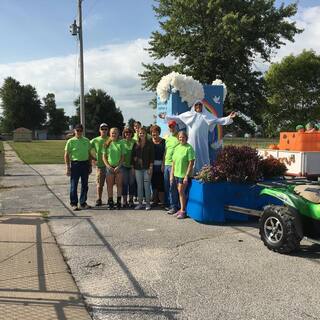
x=282, y=227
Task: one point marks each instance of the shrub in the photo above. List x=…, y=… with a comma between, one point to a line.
x=272, y=167
x=240, y=164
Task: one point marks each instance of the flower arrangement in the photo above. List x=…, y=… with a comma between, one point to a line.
x=242, y=165
x=189, y=89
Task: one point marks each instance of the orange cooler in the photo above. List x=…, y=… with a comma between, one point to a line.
x=299, y=141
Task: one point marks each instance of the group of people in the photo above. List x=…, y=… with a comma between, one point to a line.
x=309, y=127
x=141, y=165
x=136, y=163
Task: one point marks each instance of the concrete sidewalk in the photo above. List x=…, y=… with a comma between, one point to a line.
x=35, y=282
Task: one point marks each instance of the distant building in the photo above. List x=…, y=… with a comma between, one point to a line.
x=22, y=134
x=41, y=134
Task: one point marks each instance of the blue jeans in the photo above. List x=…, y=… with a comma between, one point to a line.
x=171, y=191
x=79, y=169
x=143, y=180
x=128, y=181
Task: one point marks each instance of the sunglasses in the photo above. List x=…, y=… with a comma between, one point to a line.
x=79, y=130
x=104, y=129
x=198, y=104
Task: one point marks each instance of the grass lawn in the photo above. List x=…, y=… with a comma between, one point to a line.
x=51, y=151
x=40, y=152
x=251, y=142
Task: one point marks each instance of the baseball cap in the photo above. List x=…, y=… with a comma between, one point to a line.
x=103, y=125
x=172, y=123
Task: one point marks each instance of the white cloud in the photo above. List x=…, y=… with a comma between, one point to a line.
x=309, y=20
x=113, y=68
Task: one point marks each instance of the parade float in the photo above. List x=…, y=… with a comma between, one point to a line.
x=242, y=182
x=208, y=200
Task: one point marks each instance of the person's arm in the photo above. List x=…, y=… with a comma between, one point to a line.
x=133, y=155
x=172, y=173
x=151, y=157
x=117, y=168
x=176, y=118
x=93, y=156
x=105, y=160
x=67, y=162
x=164, y=155
x=189, y=171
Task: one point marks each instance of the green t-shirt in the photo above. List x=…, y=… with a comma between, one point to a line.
x=135, y=137
x=78, y=148
x=114, y=152
x=127, y=146
x=98, y=144
x=171, y=143
x=183, y=153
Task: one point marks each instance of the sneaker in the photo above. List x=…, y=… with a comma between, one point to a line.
x=181, y=215
x=148, y=207
x=85, y=206
x=110, y=204
x=171, y=211
x=98, y=203
x=138, y=207
x=131, y=204
x=75, y=208
x=118, y=205
x=167, y=208
x=177, y=213
x=125, y=205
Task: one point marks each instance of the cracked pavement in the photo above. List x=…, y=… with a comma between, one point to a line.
x=148, y=265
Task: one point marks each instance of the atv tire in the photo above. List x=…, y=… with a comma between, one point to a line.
x=277, y=229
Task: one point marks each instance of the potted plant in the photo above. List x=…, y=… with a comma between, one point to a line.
x=230, y=181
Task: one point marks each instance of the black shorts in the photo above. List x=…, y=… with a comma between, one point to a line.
x=157, y=181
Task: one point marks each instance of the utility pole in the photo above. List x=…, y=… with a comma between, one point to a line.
x=76, y=30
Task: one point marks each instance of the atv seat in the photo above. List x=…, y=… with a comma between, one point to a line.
x=309, y=192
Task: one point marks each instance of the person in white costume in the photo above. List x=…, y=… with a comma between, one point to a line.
x=199, y=122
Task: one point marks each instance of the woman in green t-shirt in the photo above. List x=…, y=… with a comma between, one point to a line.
x=113, y=156
x=182, y=168
x=128, y=177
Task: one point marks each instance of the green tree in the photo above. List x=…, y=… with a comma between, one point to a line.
x=293, y=91
x=211, y=39
x=57, y=121
x=100, y=107
x=21, y=106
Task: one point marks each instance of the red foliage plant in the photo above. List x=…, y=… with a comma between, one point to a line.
x=242, y=165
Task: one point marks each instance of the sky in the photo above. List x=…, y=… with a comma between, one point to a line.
x=38, y=49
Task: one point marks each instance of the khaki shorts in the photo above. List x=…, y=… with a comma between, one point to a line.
x=101, y=177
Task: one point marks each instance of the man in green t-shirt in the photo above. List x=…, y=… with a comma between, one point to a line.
x=171, y=191
x=97, y=145
x=78, y=165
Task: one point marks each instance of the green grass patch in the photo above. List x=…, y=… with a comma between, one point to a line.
x=52, y=151
x=259, y=143
x=40, y=152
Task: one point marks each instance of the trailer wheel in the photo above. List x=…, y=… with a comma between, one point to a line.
x=277, y=229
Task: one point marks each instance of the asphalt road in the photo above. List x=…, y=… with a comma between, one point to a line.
x=148, y=265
